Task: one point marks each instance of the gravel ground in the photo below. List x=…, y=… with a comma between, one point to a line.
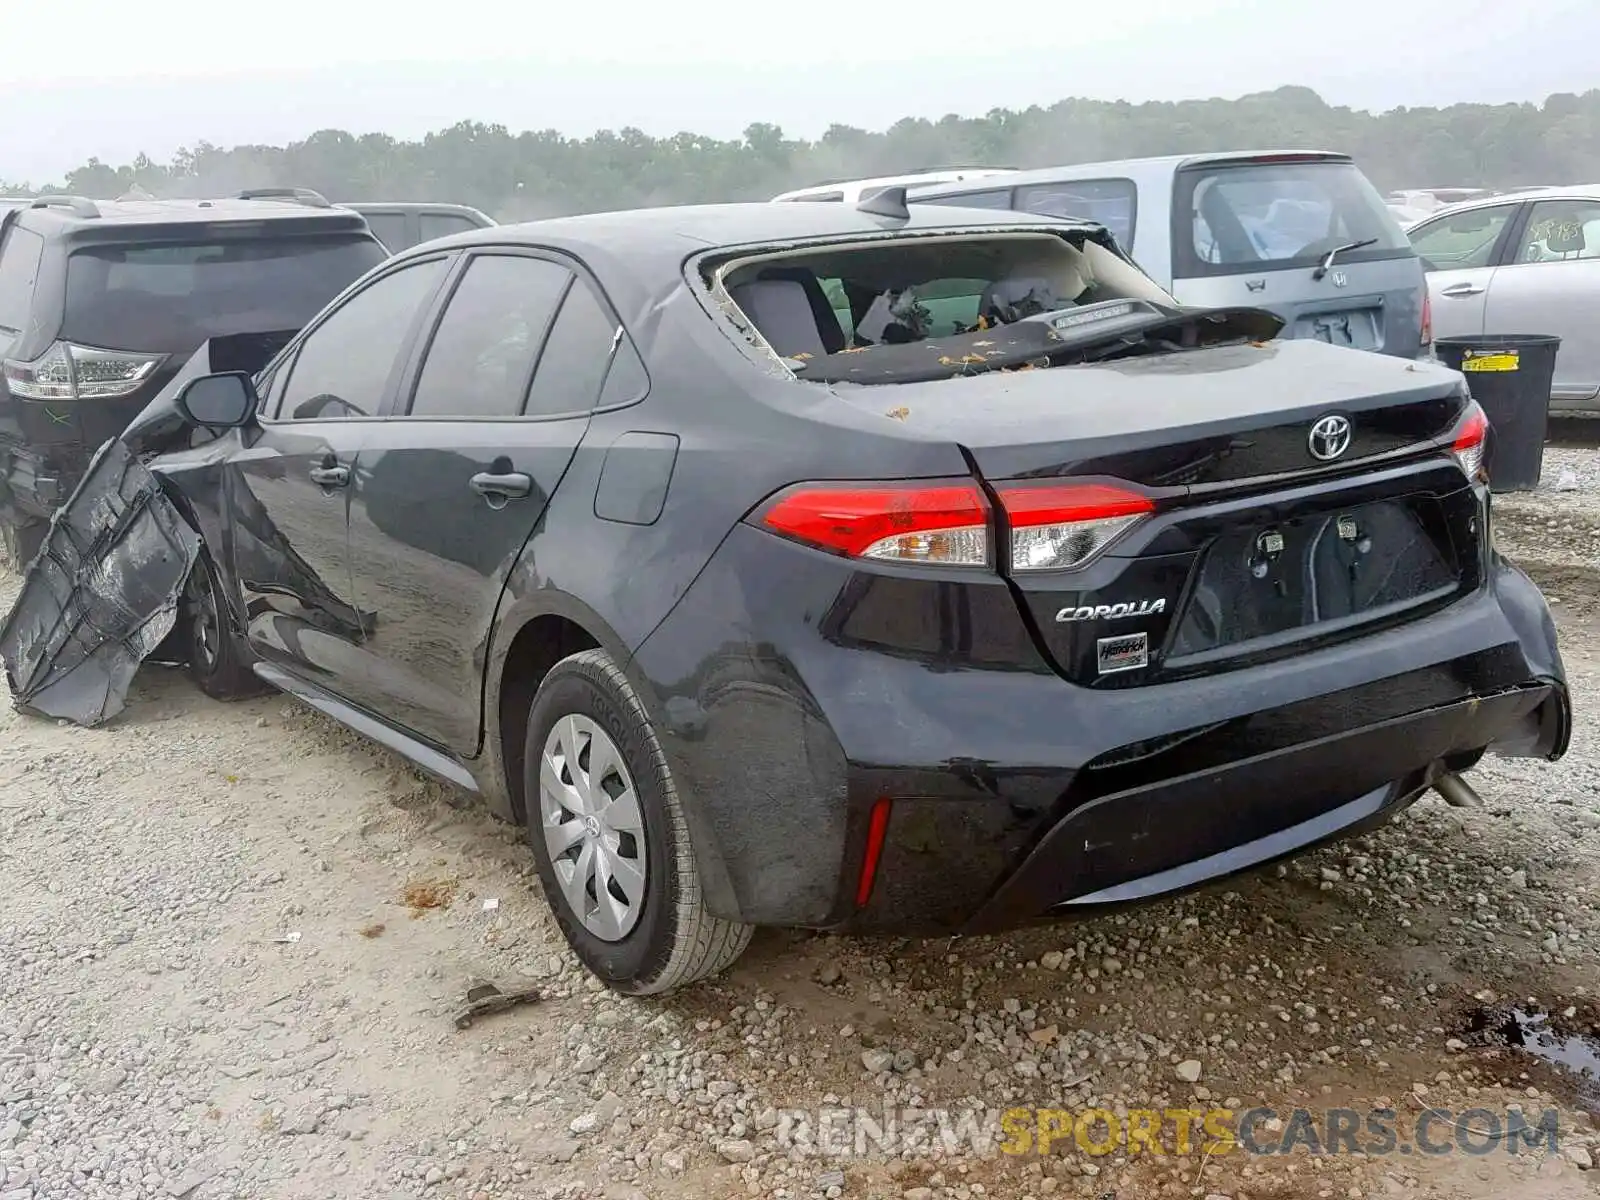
x=232, y=938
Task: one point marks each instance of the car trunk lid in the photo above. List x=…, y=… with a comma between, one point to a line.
x=1219, y=415
x=1295, y=491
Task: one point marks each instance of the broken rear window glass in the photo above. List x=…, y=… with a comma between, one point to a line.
x=858, y=298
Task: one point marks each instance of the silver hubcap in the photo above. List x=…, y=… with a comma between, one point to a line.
x=592, y=828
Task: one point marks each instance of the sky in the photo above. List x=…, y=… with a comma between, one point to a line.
x=112, y=78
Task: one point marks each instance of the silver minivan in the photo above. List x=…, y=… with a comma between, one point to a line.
x=1303, y=234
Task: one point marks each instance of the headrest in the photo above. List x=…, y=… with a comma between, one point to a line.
x=781, y=311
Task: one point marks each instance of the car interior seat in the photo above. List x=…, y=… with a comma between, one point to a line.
x=781, y=311
x=833, y=339
x=1567, y=238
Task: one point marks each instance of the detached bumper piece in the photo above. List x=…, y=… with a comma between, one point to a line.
x=1135, y=844
x=101, y=595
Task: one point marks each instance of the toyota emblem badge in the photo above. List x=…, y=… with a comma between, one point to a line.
x=1330, y=437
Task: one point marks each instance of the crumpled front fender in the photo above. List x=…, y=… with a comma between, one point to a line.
x=101, y=595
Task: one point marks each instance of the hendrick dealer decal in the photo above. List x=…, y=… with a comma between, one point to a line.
x=1125, y=652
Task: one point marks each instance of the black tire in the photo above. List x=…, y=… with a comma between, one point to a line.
x=21, y=541
x=674, y=941
x=216, y=655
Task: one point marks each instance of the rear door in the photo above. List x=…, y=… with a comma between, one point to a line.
x=1459, y=253
x=1256, y=231
x=452, y=485
x=1550, y=283
x=287, y=489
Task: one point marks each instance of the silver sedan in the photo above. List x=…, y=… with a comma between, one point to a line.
x=1524, y=262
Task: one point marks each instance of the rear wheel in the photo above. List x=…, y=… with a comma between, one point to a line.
x=216, y=654
x=609, y=836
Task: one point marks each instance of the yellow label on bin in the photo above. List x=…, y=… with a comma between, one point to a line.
x=1501, y=361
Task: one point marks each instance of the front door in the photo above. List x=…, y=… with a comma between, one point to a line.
x=453, y=484
x=287, y=498
x=287, y=492
x=1551, y=284
x=1459, y=252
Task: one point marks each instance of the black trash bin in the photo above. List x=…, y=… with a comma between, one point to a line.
x=1510, y=376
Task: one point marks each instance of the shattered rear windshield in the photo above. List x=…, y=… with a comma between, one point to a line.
x=869, y=298
x=169, y=298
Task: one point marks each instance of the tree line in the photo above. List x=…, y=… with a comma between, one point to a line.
x=519, y=176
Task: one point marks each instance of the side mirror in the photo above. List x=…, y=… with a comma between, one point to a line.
x=224, y=401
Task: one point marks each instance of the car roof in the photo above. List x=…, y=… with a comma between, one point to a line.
x=674, y=232
x=74, y=215
x=638, y=254
x=1171, y=162
x=1575, y=191
x=1572, y=191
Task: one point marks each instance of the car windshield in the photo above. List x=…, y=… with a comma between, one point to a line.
x=937, y=291
x=170, y=298
x=1234, y=219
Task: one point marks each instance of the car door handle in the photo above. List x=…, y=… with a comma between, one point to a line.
x=512, y=486
x=1461, y=289
x=330, y=476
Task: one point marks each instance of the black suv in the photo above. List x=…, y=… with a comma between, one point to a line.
x=101, y=302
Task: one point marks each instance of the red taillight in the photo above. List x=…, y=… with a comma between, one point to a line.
x=877, y=829
x=1054, y=526
x=942, y=523
x=1427, y=319
x=1471, y=440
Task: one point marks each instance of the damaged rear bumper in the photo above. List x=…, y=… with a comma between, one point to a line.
x=1181, y=831
x=997, y=795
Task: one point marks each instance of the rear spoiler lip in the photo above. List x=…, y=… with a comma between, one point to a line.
x=1264, y=158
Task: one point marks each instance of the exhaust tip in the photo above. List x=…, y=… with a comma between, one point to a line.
x=1457, y=792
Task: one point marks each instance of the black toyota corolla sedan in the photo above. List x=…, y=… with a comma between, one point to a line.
x=859, y=569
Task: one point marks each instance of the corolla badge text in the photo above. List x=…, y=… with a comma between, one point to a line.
x=1113, y=612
